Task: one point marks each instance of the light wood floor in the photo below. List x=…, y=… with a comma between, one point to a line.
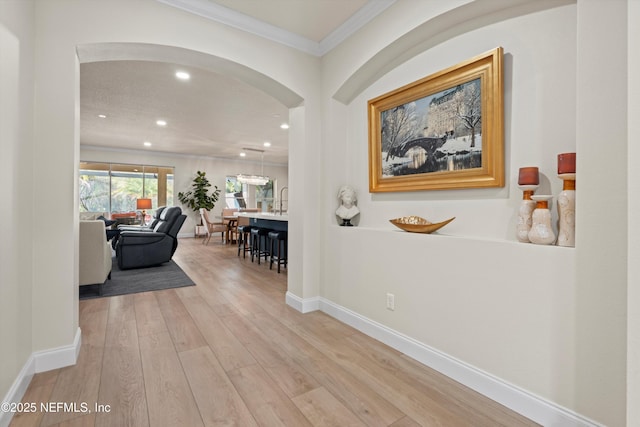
x=229, y=351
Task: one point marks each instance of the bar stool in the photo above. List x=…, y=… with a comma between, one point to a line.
x=259, y=242
x=244, y=239
x=279, y=254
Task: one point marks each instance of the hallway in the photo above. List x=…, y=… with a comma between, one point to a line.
x=229, y=351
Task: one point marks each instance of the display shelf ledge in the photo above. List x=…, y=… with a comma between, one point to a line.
x=445, y=235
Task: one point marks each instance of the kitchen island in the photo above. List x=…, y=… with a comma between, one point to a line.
x=273, y=221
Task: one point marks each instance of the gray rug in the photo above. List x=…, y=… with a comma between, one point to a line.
x=165, y=276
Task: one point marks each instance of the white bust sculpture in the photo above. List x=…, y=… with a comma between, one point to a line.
x=347, y=209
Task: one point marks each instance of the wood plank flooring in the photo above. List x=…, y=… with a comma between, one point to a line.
x=230, y=352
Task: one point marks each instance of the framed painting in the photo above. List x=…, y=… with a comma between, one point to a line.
x=444, y=131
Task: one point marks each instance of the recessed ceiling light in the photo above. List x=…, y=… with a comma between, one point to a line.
x=102, y=116
x=161, y=123
x=267, y=144
x=243, y=154
x=147, y=144
x=182, y=75
x=284, y=126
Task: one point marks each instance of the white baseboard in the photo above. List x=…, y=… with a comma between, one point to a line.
x=18, y=388
x=55, y=358
x=515, y=398
x=40, y=361
x=302, y=305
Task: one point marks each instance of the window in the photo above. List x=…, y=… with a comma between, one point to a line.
x=264, y=197
x=107, y=187
x=235, y=193
x=95, y=188
x=238, y=195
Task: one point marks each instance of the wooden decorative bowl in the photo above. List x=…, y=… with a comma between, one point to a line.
x=415, y=224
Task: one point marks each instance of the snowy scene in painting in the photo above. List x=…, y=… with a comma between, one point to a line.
x=440, y=132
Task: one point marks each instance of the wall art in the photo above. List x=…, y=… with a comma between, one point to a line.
x=444, y=131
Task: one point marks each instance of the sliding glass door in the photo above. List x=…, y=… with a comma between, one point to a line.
x=111, y=187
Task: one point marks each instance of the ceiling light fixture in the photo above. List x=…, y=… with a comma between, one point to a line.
x=267, y=144
x=284, y=126
x=253, y=179
x=182, y=75
x=161, y=122
x=147, y=144
x=102, y=116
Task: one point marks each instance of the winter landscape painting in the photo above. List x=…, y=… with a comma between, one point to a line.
x=436, y=133
x=444, y=131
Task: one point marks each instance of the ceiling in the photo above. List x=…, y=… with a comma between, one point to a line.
x=210, y=114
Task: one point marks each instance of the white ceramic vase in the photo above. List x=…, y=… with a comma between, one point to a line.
x=567, y=211
x=541, y=232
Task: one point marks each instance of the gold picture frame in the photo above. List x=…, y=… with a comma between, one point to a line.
x=442, y=132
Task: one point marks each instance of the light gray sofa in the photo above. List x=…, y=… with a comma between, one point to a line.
x=95, y=253
x=85, y=216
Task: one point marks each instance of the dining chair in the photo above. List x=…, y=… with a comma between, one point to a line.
x=211, y=227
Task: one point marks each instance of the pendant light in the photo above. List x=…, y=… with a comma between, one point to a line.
x=254, y=179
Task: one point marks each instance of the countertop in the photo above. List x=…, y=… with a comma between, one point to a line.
x=265, y=215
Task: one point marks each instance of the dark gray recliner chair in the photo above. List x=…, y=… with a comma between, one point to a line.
x=114, y=235
x=137, y=249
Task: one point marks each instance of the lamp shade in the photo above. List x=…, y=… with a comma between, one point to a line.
x=143, y=204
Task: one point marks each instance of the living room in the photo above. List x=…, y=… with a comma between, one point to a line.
x=185, y=168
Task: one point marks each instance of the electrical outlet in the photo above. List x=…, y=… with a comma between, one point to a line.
x=391, y=302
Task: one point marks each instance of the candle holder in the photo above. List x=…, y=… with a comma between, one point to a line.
x=541, y=232
x=528, y=181
x=567, y=211
x=524, y=212
x=567, y=200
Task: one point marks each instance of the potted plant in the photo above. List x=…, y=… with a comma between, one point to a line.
x=198, y=197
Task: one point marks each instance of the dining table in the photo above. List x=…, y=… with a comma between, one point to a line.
x=232, y=224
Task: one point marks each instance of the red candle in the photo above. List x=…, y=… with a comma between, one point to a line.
x=529, y=176
x=566, y=163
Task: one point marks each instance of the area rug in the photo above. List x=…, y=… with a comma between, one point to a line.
x=165, y=276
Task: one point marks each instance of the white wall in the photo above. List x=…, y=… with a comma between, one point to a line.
x=633, y=297
x=16, y=175
x=601, y=252
x=55, y=161
x=217, y=170
x=521, y=313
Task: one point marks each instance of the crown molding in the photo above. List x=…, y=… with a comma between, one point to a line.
x=215, y=12
x=358, y=20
